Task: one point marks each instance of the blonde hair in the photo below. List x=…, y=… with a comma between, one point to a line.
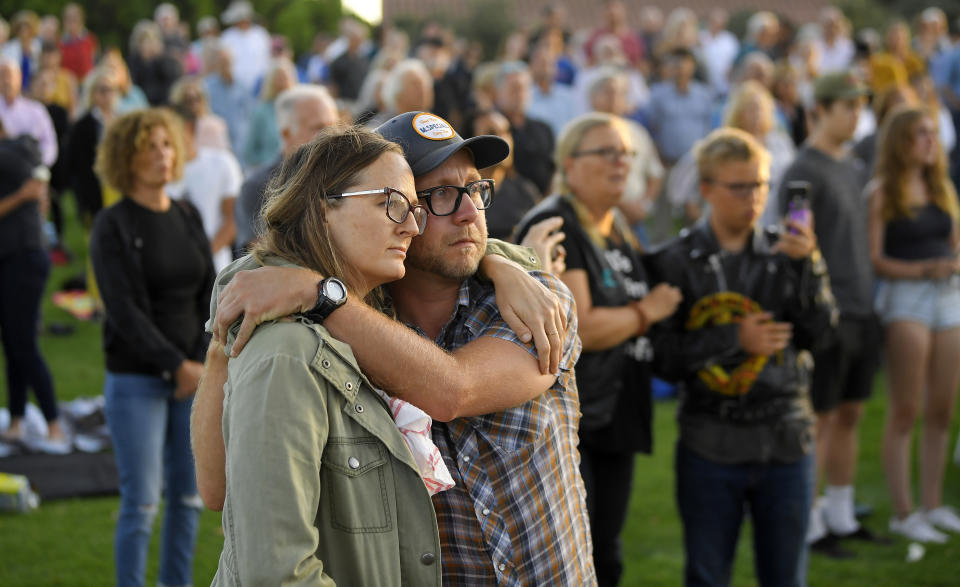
x=726, y=145
x=567, y=144
x=180, y=87
x=126, y=136
x=294, y=221
x=896, y=140
x=95, y=77
x=741, y=101
x=267, y=90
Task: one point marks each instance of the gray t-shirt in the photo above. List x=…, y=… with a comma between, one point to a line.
x=839, y=209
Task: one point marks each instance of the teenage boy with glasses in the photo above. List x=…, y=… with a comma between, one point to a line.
x=753, y=300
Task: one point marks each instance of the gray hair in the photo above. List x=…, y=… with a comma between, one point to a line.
x=758, y=22
x=286, y=103
x=604, y=75
x=5, y=60
x=509, y=68
x=393, y=83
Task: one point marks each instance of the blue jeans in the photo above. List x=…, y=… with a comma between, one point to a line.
x=713, y=497
x=151, y=443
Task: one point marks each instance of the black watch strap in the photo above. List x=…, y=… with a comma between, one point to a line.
x=331, y=294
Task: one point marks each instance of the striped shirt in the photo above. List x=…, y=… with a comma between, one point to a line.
x=517, y=514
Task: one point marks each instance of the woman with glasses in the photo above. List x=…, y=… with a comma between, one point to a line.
x=322, y=487
x=913, y=244
x=615, y=308
x=189, y=94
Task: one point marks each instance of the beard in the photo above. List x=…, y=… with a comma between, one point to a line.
x=454, y=267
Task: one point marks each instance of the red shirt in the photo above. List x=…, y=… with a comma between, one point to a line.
x=78, y=53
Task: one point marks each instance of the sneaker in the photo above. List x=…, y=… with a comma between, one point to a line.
x=829, y=546
x=945, y=518
x=916, y=527
x=864, y=534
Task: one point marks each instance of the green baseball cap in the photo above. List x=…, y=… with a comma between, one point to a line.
x=839, y=85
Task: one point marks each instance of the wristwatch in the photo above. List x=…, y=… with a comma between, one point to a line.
x=331, y=294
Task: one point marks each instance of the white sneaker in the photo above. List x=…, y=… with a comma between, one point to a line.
x=945, y=518
x=916, y=527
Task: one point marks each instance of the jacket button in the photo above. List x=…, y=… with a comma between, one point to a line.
x=486, y=511
x=502, y=566
x=358, y=408
x=353, y=463
x=325, y=363
x=428, y=558
x=349, y=386
x=533, y=259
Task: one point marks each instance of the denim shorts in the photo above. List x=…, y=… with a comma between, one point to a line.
x=934, y=303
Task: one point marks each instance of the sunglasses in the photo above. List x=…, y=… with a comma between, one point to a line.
x=444, y=200
x=397, y=205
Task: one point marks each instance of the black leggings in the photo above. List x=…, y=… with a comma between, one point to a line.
x=608, y=478
x=23, y=275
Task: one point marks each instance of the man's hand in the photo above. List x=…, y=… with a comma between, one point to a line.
x=759, y=335
x=262, y=294
x=530, y=309
x=796, y=245
x=187, y=378
x=545, y=237
x=661, y=302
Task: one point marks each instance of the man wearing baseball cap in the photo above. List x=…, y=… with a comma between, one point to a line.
x=507, y=428
x=843, y=374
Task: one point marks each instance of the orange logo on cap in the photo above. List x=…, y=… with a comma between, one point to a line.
x=431, y=126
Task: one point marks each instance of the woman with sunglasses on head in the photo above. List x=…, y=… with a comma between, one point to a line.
x=615, y=308
x=321, y=486
x=913, y=245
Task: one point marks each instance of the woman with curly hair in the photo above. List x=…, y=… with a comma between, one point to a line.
x=153, y=266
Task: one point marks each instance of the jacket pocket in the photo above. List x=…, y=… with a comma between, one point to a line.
x=356, y=485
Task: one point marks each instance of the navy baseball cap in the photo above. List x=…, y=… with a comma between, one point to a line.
x=428, y=140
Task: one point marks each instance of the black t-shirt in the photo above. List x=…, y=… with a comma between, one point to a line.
x=20, y=229
x=533, y=152
x=174, y=270
x=629, y=414
x=840, y=220
x=513, y=197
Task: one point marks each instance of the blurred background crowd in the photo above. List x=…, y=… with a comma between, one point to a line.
x=248, y=96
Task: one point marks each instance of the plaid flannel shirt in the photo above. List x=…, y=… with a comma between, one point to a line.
x=517, y=515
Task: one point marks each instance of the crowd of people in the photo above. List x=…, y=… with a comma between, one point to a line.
x=760, y=222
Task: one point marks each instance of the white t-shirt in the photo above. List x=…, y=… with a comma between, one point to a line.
x=719, y=53
x=251, y=53
x=837, y=57
x=208, y=179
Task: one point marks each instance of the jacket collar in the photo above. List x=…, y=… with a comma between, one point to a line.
x=703, y=242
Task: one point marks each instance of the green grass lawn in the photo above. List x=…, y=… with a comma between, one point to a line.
x=70, y=542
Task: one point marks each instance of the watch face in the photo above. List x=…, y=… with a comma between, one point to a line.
x=334, y=290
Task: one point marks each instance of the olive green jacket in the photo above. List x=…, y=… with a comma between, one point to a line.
x=321, y=488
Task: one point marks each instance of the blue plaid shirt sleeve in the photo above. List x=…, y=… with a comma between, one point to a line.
x=498, y=328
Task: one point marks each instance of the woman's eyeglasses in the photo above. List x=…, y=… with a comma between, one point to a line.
x=611, y=154
x=397, y=205
x=444, y=200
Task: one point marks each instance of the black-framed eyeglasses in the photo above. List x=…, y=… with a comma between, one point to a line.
x=611, y=154
x=444, y=200
x=397, y=205
x=742, y=189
